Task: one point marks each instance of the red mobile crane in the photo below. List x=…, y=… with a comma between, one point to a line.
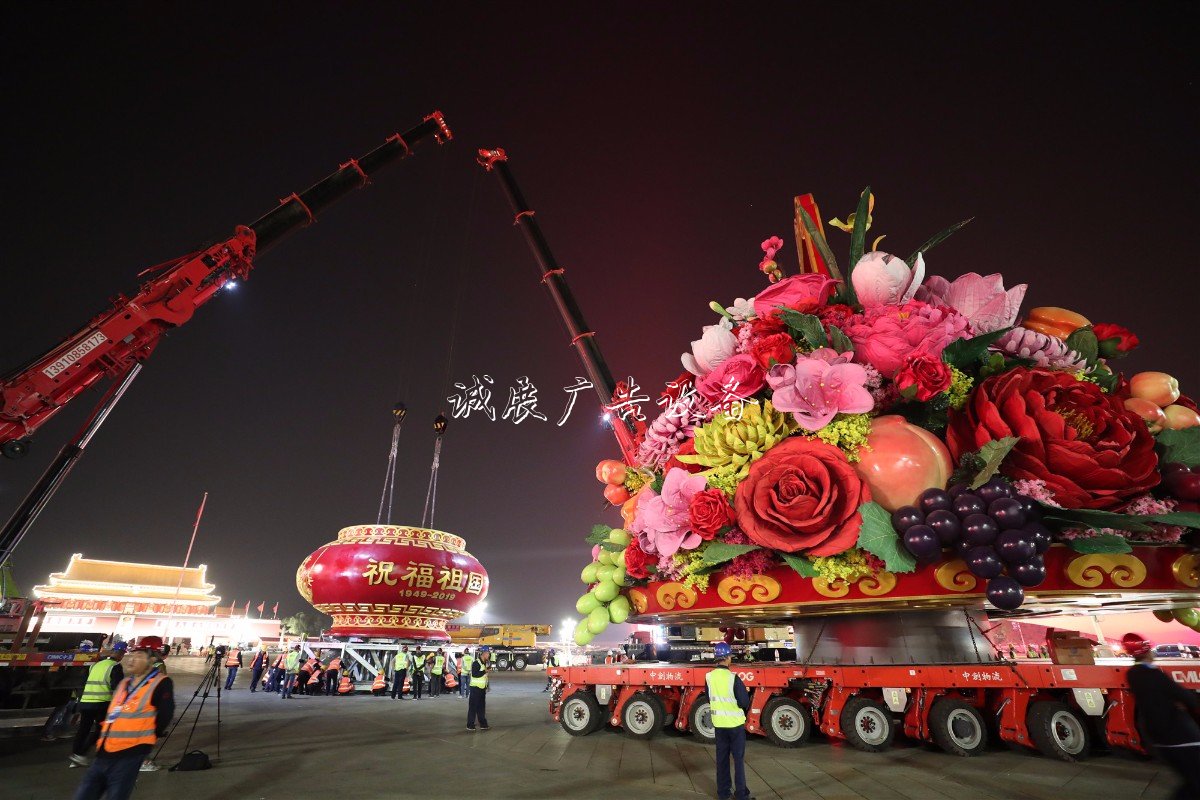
x=117, y=341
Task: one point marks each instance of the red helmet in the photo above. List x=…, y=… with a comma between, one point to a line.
x=149, y=644
x=1135, y=644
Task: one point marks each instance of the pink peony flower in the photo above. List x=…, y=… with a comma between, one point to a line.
x=737, y=377
x=885, y=336
x=883, y=279
x=982, y=299
x=804, y=293
x=818, y=388
x=661, y=521
x=716, y=344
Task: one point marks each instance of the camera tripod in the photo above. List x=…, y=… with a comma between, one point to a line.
x=210, y=681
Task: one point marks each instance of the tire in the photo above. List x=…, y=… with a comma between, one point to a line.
x=643, y=716
x=786, y=722
x=958, y=727
x=1059, y=731
x=502, y=661
x=700, y=721
x=519, y=663
x=580, y=714
x=868, y=725
x=16, y=448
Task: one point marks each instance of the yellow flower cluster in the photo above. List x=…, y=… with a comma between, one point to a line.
x=847, y=432
x=848, y=566
x=960, y=388
x=691, y=562
x=730, y=444
x=635, y=480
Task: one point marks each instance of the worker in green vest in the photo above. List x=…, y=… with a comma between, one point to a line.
x=439, y=667
x=418, y=675
x=728, y=703
x=477, y=704
x=399, y=670
x=464, y=673
x=102, y=679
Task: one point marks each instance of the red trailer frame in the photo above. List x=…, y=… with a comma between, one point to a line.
x=1055, y=708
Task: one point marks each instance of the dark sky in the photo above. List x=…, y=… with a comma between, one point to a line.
x=659, y=148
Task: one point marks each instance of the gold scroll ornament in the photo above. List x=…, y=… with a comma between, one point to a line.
x=1124, y=570
x=759, y=588
x=1186, y=570
x=639, y=600
x=870, y=585
x=954, y=576
x=674, y=594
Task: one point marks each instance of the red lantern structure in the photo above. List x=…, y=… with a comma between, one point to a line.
x=392, y=581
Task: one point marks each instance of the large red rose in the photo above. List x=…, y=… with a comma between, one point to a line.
x=802, y=496
x=709, y=512
x=1089, y=450
x=778, y=348
x=638, y=562
x=923, y=376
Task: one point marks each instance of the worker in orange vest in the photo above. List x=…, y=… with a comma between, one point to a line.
x=316, y=683
x=140, y=712
x=275, y=675
x=331, y=675
x=379, y=684
x=345, y=685
x=306, y=672
x=232, y=661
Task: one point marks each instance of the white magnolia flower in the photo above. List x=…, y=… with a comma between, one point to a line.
x=716, y=344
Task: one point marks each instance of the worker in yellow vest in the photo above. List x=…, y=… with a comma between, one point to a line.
x=477, y=703
x=140, y=712
x=439, y=668
x=103, y=677
x=464, y=673
x=418, y=678
x=232, y=661
x=291, y=672
x=400, y=663
x=331, y=675
x=729, y=702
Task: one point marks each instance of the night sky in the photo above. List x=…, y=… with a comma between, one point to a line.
x=658, y=147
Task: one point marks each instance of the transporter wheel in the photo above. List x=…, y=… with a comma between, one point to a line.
x=643, y=716
x=700, y=721
x=16, y=448
x=867, y=725
x=580, y=714
x=786, y=722
x=1059, y=731
x=958, y=727
x=519, y=663
x=502, y=661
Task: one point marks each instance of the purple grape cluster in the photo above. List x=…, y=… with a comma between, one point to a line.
x=995, y=531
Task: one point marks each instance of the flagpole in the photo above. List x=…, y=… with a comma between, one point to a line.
x=186, y=558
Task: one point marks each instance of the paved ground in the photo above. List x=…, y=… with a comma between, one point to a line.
x=365, y=747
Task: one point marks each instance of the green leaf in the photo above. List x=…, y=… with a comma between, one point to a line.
x=720, y=552
x=611, y=547
x=1104, y=543
x=599, y=534
x=823, y=246
x=1138, y=523
x=839, y=341
x=858, y=239
x=963, y=354
x=1083, y=341
x=1180, y=447
x=936, y=239
x=804, y=568
x=880, y=539
x=805, y=326
x=992, y=454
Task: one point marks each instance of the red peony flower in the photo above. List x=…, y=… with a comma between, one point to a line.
x=1089, y=450
x=762, y=327
x=804, y=293
x=709, y=512
x=802, y=496
x=836, y=315
x=737, y=377
x=675, y=389
x=926, y=375
x=638, y=562
x=1126, y=339
x=777, y=347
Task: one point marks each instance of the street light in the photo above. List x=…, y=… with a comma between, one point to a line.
x=475, y=615
x=568, y=626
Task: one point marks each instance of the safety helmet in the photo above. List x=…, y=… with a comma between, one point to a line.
x=723, y=650
x=120, y=647
x=1135, y=644
x=485, y=649
x=148, y=644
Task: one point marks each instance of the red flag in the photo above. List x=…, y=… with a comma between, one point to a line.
x=247, y=611
x=275, y=609
x=231, y=605
x=260, y=608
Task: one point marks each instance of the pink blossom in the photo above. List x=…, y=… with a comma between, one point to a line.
x=661, y=520
x=885, y=336
x=982, y=299
x=883, y=279
x=772, y=246
x=716, y=344
x=815, y=390
x=738, y=377
x=804, y=293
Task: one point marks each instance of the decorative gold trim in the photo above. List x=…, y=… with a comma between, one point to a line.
x=399, y=534
x=395, y=621
x=876, y=585
x=674, y=594
x=1088, y=571
x=834, y=588
x=955, y=577
x=762, y=588
x=1186, y=570
x=639, y=600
